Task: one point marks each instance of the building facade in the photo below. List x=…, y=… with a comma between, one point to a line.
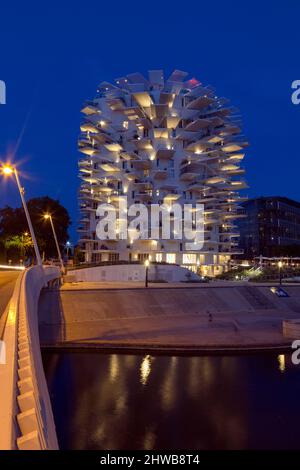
x=156, y=140
x=271, y=227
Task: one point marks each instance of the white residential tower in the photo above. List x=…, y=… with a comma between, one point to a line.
x=156, y=140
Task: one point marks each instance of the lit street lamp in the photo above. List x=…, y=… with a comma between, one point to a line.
x=8, y=170
x=68, y=246
x=147, y=263
x=280, y=264
x=49, y=217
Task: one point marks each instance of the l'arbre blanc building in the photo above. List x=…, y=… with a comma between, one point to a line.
x=156, y=140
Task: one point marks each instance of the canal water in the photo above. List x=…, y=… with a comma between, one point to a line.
x=115, y=401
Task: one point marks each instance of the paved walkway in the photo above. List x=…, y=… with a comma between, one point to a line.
x=7, y=284
x=84, y=285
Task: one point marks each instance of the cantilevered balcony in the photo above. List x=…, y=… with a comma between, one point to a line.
x=206, y=199
x=171, y=196
x=87, y=148
x=200, y=103
x=143, y=195
x=109, y=168
x=141, y=164
x=198, y=125
x=189, y=171
x=89, y=179
x=90, y=108
x=160, y=173
x=237, y=185
x=165, y=154
x=117, y=196
x=142, y=184
x=89, y=127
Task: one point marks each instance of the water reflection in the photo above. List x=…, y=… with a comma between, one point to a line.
x=114, y=367
x=168, y=387
x=145, y=402
x=145, y=369
x=149, y=440
x=281, y=362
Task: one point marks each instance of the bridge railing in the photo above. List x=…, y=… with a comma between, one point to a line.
x=27, y=419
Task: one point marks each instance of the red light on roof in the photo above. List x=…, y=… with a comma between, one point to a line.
x=194, y=82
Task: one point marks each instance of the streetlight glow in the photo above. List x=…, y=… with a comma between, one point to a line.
x=280, y=264
x=48, y=216
x=7, y=170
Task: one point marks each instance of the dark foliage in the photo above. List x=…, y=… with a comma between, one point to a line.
x=13, y=222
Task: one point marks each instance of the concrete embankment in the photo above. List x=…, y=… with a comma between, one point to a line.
x=182, y=317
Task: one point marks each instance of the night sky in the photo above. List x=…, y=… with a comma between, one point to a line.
x=53, y=56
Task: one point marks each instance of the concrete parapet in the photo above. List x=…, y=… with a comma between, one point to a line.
x=25, y=385
x=132, y=272
x=30, y=441
x=29, y=405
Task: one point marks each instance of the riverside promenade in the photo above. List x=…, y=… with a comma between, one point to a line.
x=167, y=317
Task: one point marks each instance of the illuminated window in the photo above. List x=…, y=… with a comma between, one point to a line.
x=171, y=258
x=158, y=257
x=189, y=258
x=125, y=124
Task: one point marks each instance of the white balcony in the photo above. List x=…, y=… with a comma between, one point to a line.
x=160, y=174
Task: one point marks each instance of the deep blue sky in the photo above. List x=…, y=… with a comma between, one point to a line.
x=53, y=55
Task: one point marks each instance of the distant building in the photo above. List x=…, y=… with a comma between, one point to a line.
x=271, y=227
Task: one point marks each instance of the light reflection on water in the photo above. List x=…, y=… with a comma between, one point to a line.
x=281, y=361
x=119, y=401
x=145, y=369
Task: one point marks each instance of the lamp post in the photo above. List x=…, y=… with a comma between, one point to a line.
x=8, y=170
x=280, y=264
x=147, y=263
x=68, y=245
x=49, y=217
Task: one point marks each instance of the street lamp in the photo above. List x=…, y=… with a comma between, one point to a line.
x=280, y=264
x=49, y=217
x=68, y=245
x=9, y=170
x=147, y=263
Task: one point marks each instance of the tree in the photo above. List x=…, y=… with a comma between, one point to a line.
x=22, y=242
x=13, y=224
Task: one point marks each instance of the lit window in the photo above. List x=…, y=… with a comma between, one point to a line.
x=125, y=124
x=158, y=257
x=171, y=258
x=189, y=258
